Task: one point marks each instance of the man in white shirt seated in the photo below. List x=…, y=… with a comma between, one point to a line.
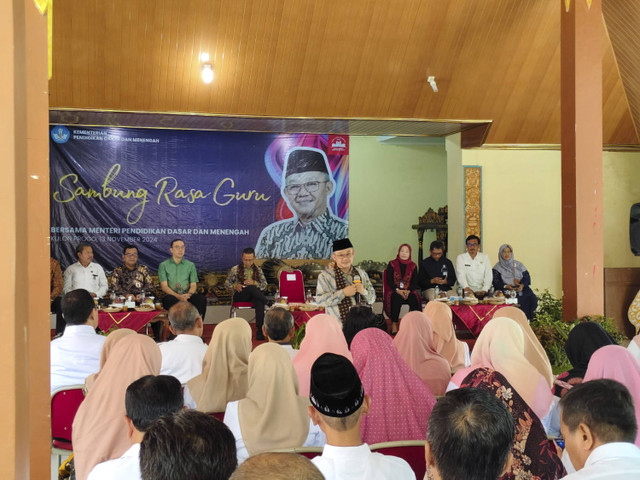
x=76, y=354
x=188, y=445
x=337, y=405
x=277, y=466
x=473, y=268
x=182, y=356
x=278, y=328
x=599, y=427
x=469, y=435
x=146, y=400
x=85, y=273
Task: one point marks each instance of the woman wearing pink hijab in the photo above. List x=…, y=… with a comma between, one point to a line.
x=323, y=334
x=455, y=351
x=400, y=402
x=416, y=347
x=617, y=363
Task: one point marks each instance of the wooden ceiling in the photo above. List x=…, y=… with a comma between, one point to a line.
x=496, y=60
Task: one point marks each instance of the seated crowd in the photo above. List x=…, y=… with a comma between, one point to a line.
x=151, y=410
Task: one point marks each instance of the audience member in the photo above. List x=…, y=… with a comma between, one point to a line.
x=533, y=349
x=99, y=434
x=436, y=271
x=417, y=348
x=182, y=356
x=113, y=338
x=224, y=376
x=473, y=269
x=444, y=335
x=277, y=466
x=247, y=282
x=584, y=339
x=56, y=284
x=359, y=318
x=469, y=437
x=500, y=347
x=599, y=427
x=76, y=354
x=338, y=402
x=401, y=286
x=616, y=363
x=272, y=415
x=322, y=335
x=533, y=456
x=85, y=273
x=509, y=274
x=146, y=400
x=279, y=328
x=401, y=401
x=179, y=280
x=341, y=285
x=131, y=278
x=187, y=445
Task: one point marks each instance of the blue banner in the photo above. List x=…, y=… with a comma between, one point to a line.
x=217, y=191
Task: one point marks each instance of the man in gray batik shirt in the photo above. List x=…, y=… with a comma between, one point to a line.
x=306, y=187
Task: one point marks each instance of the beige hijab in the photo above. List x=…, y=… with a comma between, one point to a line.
x=224, y=367
x=99, y=432
x=533, y=350
x=444, y=334
x=112, y=339
x=272, y=415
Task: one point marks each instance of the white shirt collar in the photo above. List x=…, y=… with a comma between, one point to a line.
x=612, y=450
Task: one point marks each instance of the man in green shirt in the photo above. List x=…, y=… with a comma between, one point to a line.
x=179, y=280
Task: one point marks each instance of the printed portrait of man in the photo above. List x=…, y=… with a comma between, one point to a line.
x=307, y=186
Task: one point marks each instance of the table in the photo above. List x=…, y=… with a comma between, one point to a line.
x=474, y=317
x=131, y=319
x=300, y=317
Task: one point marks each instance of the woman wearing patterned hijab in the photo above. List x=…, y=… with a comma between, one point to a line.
x=509, y=274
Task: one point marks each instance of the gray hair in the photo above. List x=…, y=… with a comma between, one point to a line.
x=183, y=316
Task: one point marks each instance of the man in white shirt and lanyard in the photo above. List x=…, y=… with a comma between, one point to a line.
x=146, y=400
x=473, y=268
x=182, y=357
x=337, y=405
x=599, y=427
x=85, y=273
x=76, y=354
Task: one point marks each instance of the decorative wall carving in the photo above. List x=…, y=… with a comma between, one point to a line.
x=473, y=201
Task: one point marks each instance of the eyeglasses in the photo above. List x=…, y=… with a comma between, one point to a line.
x=309, y=187
x=130, y=255
x=472, y=244
x=178, y=247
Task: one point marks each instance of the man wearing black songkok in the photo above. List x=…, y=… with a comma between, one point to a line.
x=337, y=405
x=306, y=187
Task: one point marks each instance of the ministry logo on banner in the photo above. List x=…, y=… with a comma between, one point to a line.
x=60, y=134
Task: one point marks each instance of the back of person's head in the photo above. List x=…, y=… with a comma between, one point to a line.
x=336, y=391
x=77, y=306
x=277, y=466
x=469, y=435
x=187, y=445
x=152, y=397
x=358, y=318
x=278, y=322
x=605, y=406
x=183, y=316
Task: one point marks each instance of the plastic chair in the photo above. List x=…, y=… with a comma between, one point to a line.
x=412, y=451
x=292, y=286
x=65, y=402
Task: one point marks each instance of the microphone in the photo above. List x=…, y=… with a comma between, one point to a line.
x=356, y=279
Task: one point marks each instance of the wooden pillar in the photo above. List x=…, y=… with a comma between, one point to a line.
x=24, y=291
x=581, y=102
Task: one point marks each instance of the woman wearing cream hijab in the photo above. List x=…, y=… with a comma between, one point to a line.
x=112, y=339
x=224, y=367
x=272, y=415
x=99, y=432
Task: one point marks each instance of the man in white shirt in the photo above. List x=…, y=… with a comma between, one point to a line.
x=469, y=435
x=599, y=427
x=278, y=328
x=337, y=405
x=182, y=356
x=76, y=354
x=146, y=400
x=473, y=268
x=85, y=273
